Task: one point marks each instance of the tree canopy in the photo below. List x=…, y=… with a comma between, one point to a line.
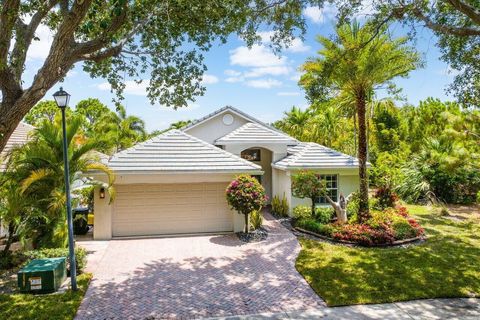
x=161, y=41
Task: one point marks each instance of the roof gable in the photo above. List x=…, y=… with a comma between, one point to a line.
x=255, y=132
x=177, y=151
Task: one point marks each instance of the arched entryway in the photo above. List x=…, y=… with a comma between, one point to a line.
x=262, y=157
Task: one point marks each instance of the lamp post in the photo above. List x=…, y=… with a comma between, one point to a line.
x=61, y=98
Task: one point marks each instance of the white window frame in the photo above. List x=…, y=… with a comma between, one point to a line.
x=325, y=202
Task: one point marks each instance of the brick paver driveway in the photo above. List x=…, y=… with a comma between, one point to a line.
x=196, y=277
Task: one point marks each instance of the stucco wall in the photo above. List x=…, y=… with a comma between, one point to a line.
x=102, y=210
x=214, y=128
x=283, y=185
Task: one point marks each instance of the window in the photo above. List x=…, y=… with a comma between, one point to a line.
x=251, y=154
x=258, y=177
x=331, y=182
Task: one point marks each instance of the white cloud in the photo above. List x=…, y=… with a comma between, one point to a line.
x=266, y=36
x=232, y=73
x=263, y=71
x=257, y=56
x=131, y=87
x=296, y=77
x=320, y=15
x=209, y=79
x=449, y=72
x=298, y=45
x=288, y=93
x=264, y=83
x=234, y=79
x=39, y=49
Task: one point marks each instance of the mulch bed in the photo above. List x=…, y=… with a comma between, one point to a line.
x=254, y=236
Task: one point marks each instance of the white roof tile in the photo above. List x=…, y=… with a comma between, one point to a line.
x=311, y=155
x=254, y=132
x=176, y=151
x=20, y=136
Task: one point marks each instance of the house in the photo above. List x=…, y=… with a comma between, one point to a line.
x=175, y=183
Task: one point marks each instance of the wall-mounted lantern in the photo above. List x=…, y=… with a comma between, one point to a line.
x=102, y=193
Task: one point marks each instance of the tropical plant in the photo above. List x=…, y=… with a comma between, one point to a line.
x=119, y=131
x=280, y=206
x=38, y=166
x=295, y=122
x=256, y=219
x=358, y=61
x=246, y=195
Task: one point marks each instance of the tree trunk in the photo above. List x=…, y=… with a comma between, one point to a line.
x=11, y=234
x=363, y=210
x=313, y=207
x=247, y=226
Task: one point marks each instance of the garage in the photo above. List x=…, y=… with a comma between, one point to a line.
x=171, y=184
x=162, y=209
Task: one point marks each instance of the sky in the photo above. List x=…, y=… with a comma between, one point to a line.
x=254, y=80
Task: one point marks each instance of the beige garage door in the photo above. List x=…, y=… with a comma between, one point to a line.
x=156, y=209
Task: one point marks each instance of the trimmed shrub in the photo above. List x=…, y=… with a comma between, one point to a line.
x=256, y=220
x=80, y=256
x=246, y=195
x=324, y=214
x=315, y=226
x=302, y=212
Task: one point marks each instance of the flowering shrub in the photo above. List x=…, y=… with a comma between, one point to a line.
x=384, y=227
x=245, y=195
x=386, y=198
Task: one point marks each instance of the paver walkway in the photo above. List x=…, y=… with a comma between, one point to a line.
x=196, y=277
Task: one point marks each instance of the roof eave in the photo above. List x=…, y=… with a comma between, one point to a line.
x=168, y=172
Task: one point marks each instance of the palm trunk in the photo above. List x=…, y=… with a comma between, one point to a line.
x=355, y=133
x=313, y=207
x=363, y=210
x=11, y=234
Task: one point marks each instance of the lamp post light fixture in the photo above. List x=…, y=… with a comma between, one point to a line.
x=61, y=98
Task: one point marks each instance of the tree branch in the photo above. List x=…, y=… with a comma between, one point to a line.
x=467, y=10
x=24, y=37
x=458, y=31
x=8, y=16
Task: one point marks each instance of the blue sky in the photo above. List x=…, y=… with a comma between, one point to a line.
x=255, y=81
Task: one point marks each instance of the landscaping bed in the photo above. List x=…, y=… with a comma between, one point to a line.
x=388, y=227
x=447, y=265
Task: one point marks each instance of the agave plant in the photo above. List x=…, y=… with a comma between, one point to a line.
x=38, y=166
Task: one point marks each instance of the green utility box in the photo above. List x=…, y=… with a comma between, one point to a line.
x=42, y=275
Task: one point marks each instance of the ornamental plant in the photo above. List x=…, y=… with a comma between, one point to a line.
x=307, y=184
x=246, y=195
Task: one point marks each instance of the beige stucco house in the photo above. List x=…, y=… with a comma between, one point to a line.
x=175, y=183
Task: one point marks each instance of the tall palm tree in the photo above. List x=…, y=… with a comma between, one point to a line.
x=119, y=130
x=358, y=61
x=295, y=122
x=38, y=166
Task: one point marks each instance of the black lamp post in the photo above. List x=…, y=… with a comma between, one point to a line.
x=61, y=98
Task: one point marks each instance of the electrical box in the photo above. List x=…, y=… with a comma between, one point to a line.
x=42, y=275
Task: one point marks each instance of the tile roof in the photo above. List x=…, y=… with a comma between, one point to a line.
x=254, y=132
x=310, y=155
x=176, y=151
x=19, y=136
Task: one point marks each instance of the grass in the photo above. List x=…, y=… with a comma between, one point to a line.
x=42, y=307
x=446, y=265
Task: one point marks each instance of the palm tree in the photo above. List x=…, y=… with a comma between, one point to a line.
x=358, y=61
x=120, y=131
x=295, y=122
x=38, y=166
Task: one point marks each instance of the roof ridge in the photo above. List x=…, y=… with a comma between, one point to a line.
x=333, y=150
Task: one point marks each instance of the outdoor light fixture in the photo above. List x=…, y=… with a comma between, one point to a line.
x=102, y=193
x=61, y=98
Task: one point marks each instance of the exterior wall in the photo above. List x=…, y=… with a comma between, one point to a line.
x=102, y=224
x=348, y=182
x=214, y=128
x=283, y=185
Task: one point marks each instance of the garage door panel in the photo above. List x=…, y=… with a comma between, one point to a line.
x=171, y=209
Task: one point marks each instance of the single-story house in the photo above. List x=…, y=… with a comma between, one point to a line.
x=175, y=183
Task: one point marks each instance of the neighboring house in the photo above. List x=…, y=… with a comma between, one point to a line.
x=20, y=136
x=175, y=183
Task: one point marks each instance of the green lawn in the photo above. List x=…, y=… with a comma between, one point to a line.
x=52, y=306
x=446, y=265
